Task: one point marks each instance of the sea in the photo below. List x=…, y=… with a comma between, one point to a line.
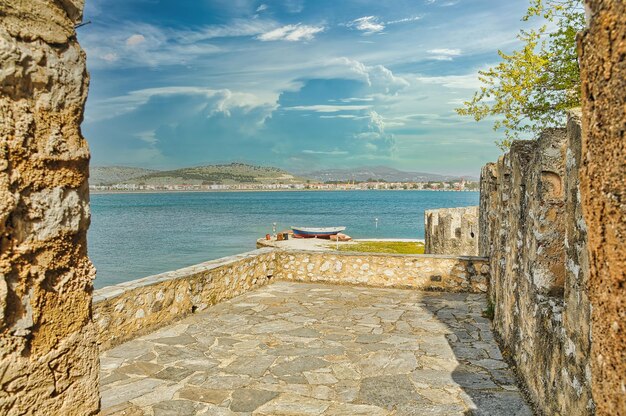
x=134, y=235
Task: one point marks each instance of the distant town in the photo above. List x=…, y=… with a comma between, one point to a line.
x=313, y=186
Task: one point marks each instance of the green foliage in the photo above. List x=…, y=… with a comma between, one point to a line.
x=389, y=247
x=531, y=88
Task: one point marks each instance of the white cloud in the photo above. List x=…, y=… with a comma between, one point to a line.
x=404, y=20
x=367, y=24
x=328, y=108
x=329, y=153
x=376, y=76
x=444, y=54
x=135, y=39
x=469, y=81
x=291, y=33
x=110, y=57
x=224, y=99
x=261, y=8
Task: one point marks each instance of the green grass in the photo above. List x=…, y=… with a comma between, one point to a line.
x=389, y=247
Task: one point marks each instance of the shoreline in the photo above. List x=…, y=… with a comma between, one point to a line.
x=183, y=191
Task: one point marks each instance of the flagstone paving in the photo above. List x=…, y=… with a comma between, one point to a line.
x=312, y=349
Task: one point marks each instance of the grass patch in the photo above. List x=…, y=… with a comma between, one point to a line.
x=388, y=247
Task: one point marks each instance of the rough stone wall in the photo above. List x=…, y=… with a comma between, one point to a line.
x=452, y=231
x=128, y=310
x=602, y=51
x=48, y=353
x=534, y=232
x=422, y=272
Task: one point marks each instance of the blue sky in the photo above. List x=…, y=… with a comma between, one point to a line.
x=299, y=84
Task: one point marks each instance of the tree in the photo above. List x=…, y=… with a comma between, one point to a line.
x=533, y=87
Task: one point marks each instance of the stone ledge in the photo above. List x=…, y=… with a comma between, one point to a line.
x=109, y=292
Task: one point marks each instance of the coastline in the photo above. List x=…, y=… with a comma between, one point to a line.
x=186, y=191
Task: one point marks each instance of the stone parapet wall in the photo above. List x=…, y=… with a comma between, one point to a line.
x=422, y=272
x=128, y=310
x=532, y=228
x=452, y=231
x=48, y=351
x=602, y=52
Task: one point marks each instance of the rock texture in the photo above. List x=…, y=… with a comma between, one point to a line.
x=452, y=231
x=310, y=349
x=128, y=310
x=48, y=353
x=421, y=272
x=602, y=51
x=532, y=228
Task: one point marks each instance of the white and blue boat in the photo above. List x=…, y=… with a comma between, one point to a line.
x=316, y=232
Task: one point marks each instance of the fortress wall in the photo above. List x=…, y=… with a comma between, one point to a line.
x=419, y=272
x=602, y=51
x=131, y=309
x=452, y=231
x=533, y=231
x=48, y=350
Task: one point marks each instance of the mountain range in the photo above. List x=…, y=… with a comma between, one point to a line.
x=234, y=173
x=378, y=173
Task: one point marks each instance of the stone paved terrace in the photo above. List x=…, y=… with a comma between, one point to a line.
x=312, y=349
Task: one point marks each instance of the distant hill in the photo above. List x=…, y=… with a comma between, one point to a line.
x=232, y=173
x=108, y=175
x=378, y=173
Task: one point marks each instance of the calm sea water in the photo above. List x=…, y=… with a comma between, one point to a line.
x=136, y=235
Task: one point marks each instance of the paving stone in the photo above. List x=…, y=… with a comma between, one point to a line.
x=123, y=409
x=498, y=404
x=248, y=400
x=345, y=409
x=298, y=366
x=291, y=404
x=175, y=408
x=387, y=391
x=141, y=368
x=311, y=349
x=128, y=391
x=173, y=373
x=473, y=380
x=251, y=366
x=199, y=394
x=319, y=378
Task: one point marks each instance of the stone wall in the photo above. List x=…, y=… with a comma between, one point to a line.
x=452, y=231
x=422, y=272
x=48, y=352
x=602, y=51
x=533, y=230
x=128, y=310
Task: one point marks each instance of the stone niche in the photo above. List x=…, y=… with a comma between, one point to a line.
x=532, y=229
x=48, y=350
x=452, y=231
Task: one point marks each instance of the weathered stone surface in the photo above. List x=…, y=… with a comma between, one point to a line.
x=451, y=231
x=135, y=308
x=407, y=366
x=247, y=400
x=424, y=272
x=602, y=49
x=532, y=228
x=48, y=354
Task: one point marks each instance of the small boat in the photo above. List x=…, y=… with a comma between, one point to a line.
x=314, y=232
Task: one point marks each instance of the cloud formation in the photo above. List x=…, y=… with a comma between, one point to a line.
x=367, y=24
x=444, y=54
x=291, y=33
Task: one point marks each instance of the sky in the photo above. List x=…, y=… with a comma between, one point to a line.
x=298, y=84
